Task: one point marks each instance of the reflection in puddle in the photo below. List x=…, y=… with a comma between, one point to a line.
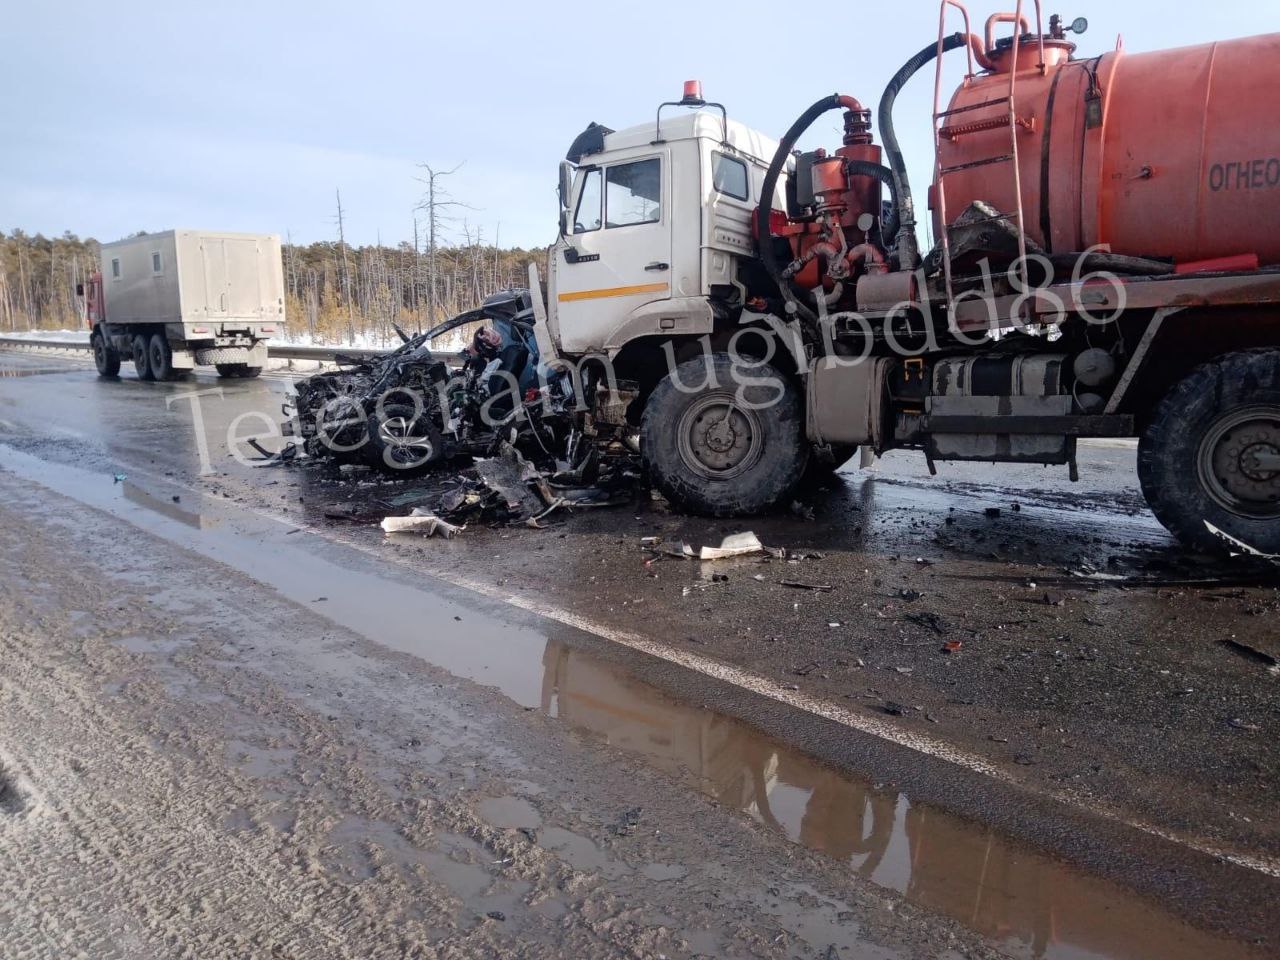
x=1026, y=903
x=165, y=506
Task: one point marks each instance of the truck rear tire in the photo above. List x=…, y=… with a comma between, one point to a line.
x=234, y=371
x=105, y=357
x=718, y=441
x=160, y=358
x=142, y=357
x=1210, y=453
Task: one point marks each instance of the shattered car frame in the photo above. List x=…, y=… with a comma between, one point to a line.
x=409, y=409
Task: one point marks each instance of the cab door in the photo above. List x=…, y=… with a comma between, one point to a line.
x=616, y=255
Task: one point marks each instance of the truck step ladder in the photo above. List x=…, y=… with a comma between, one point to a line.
x=1008, y=120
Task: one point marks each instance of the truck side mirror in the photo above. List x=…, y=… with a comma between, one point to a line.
x=566, y=192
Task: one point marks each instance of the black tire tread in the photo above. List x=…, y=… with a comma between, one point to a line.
x=783, y=462
x=1169, y=483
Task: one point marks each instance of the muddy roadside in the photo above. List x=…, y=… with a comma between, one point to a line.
x=1124, y=696
x=243, y=776
x=1019, y=627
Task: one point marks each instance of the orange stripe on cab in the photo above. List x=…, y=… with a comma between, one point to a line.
x=606, y=292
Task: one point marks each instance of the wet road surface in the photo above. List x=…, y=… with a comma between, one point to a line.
x=1069, y=783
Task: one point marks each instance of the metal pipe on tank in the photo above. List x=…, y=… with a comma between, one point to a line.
x=997, y=18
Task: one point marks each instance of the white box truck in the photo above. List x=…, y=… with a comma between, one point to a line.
x=180, y=299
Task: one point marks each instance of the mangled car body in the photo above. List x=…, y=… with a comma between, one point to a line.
x=409, y=409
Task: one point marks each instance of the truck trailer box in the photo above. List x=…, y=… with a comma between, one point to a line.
x=225, y=281
x=174, y=301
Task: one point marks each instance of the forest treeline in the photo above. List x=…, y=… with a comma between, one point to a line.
x=336, y=292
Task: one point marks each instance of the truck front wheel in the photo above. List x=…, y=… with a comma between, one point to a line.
x=724, y=438
x=105, y=357
x=142, y=357
x=1212, y=453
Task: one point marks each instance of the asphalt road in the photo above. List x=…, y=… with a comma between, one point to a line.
x=1092, y=772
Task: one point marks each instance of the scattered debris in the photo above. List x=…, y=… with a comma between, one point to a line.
x=627, y=823
x=737, y=545
x=952, y=646
x=1239, y=548
x=803, y=511
x=1239, y=724
x=930, y=621
x=120, y=478
x=287, y=454
x=797, y=585
x=421, y=521
x=1254, y=654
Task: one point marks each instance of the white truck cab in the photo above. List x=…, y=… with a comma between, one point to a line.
x=654, y=220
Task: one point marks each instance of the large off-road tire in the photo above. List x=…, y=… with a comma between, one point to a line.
x=717, y=441
x=160, y=358
x=105, y=357
x=1212, y=453
x=403, y=437
x=237, y=371
x=142, y=357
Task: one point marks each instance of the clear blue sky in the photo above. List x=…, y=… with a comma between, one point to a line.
x=124, y=116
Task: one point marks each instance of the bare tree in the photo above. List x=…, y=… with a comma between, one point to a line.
x=346, y=274
x=436, y=202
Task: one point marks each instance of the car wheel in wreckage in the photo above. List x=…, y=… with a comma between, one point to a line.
x=404, y=436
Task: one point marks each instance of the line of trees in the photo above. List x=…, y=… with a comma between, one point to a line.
x=335, y=292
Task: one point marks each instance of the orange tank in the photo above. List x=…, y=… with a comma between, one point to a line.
x=1170, y=154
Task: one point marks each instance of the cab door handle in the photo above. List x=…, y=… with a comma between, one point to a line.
x=658, y=265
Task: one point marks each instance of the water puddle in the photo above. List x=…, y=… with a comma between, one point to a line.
x=1027, y=904
x=510, y=813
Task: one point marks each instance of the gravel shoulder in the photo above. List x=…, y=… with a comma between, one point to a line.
x=203, y=768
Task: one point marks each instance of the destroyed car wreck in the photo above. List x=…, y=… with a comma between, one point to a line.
x=522, y=422
x=409, y=409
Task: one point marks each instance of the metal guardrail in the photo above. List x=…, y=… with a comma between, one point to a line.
x=283, y=351
x=31, y=344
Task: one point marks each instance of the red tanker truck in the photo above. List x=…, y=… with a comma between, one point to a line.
x=1106, y=264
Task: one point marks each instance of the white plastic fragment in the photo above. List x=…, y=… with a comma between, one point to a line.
x=737, y=545
x=421, y=521
x=1238, y=547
